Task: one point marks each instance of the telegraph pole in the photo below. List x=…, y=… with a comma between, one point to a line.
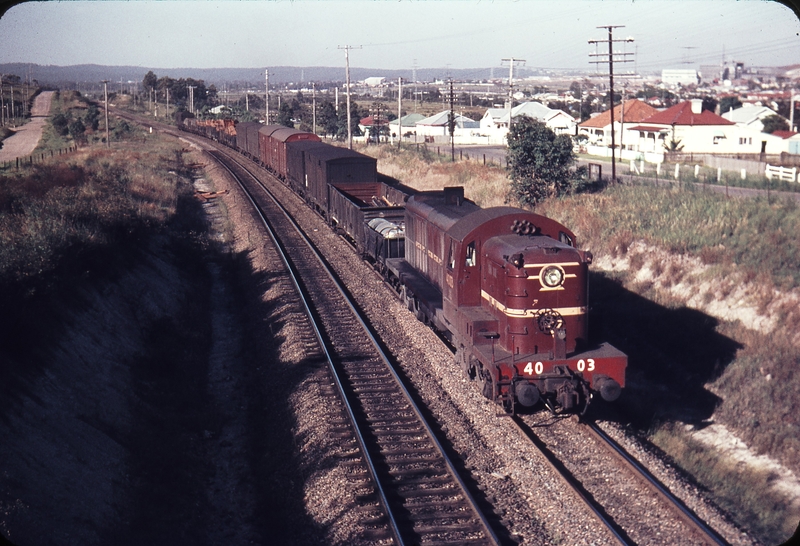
x=314, y=107
x=511, y=61
x=347, y=49
x=266, y=99
x=451, y=123
x=610, y=57
x=191, y=97
x=105, y=95
x=399, y=111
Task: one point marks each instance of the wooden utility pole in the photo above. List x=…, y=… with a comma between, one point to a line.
x=105, y=95
x=266, y=99
x=399, y=111
x=610, y=57
x=347, y=49
x=511, y=61
x=451, y=123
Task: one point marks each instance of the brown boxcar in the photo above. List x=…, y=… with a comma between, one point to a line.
x=330, y=165
x=247, y=138
x=272, y=142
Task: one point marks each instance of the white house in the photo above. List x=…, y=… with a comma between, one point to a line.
x=436, y=125
x=408, y=123
x=494, y=123
x=598, y=128
x=695, y=130
x=749, y=115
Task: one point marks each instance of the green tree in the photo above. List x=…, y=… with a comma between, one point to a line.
x=92, y=117
x=150, y=81
x=326, y=118
x=727, y=104
x=60, y=124
x=77, y=130
x=774, y=123
x=285, y=115
x=540, y=162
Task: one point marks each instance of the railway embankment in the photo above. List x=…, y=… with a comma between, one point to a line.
x=701, y=291
x=132, y=402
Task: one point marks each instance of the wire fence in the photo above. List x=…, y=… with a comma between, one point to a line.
x=41, y=157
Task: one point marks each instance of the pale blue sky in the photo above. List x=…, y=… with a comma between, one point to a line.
x=395, y=34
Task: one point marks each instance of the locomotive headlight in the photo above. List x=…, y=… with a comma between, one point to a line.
x=552, y=276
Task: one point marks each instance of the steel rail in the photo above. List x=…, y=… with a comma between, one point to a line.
x=377, y=345
x=566, y=476
x=320, y=338
x=689, y=517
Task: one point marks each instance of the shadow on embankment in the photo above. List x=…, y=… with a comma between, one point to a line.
x=672, y=354
x=121, y=423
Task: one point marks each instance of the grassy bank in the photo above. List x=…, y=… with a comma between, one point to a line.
x=686, y=366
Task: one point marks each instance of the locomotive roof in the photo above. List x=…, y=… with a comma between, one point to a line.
x=463, y=216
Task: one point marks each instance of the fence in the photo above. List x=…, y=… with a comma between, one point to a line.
x=783, y=173
x=20, y=162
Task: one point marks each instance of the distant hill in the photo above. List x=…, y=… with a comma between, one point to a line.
x=79, y=75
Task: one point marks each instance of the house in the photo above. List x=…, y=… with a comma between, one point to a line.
x=408, y=124
x=598, y=129
x=557, y=120
x=436, y=125
x=749, y=115
x=686, y=127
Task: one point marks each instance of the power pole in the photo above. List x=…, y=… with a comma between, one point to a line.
x=105, y=95
x=399, y=111
x=610, y=57
x=451, y=123
x=314, y=107
x=266, y=97
x=511, y=61
x=347, y=49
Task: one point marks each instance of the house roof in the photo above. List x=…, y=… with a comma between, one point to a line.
x=635, y=111
x=441, y=119
x=649, y=128
x=409, y=120
x=681, y=114
x=783, y=134
x=748, y=113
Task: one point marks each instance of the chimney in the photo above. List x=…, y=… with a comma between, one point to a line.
x=697, y=106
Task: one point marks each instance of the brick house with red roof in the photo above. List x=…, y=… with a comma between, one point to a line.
x=690, y=129
x=598, y=128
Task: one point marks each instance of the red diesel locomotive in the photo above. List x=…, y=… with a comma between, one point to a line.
x=508, y=288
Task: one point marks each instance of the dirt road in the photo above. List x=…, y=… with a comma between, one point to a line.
x=25, y=139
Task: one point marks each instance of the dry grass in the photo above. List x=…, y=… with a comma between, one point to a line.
x=423, y=170
x=56, y=211
x=745, y=495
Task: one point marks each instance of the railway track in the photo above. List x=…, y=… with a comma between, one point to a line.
x=652, y=512
x=424, y=499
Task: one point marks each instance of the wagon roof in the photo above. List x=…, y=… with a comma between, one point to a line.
x=329, y=152
x=285, y=133
x=269, y=129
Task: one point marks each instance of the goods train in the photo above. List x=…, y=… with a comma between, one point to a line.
x=508, y=288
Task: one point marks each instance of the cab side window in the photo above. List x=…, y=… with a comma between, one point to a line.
x=451, y=257
x=471, y=261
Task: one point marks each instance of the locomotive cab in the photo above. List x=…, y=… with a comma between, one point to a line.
x=518, y=302
x=508, y=288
